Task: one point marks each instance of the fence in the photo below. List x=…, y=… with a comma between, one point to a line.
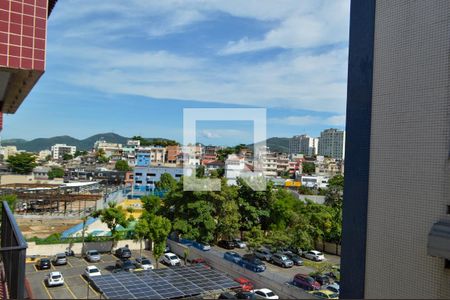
x=13, y=254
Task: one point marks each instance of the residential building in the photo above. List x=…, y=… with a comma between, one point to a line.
x=282, y=163
x=156, y=154
x=58, y=150
x=332, y=143
x=396, y=229
x=268, y=163
x=326, y=166
x=209, y=155
x=42, y=155
x=41, y=173
x=145, y=178
x=7, y=151
x=303, y=144
x=172, y=153
x=234, y=166
x=129, y=151
x=214, y=165
x=110, y=149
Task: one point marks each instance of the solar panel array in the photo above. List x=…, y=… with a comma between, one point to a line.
x=166, y=283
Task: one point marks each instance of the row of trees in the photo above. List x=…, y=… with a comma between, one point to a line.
x=274, y=217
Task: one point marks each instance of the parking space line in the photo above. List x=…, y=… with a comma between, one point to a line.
x=92, y=289
x=46, y=289
x=34, y=266
x=68, y=262
x=70, y=291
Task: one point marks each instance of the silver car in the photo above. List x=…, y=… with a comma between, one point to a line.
x=282, y=260
x=93, y=255
x=263, y=254
x=60, y=259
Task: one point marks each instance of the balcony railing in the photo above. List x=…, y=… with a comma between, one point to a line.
x=13, y=254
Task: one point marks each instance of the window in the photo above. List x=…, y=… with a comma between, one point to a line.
x=448, y=209
x=151, y=174
x=138, y=174
x=178, y=175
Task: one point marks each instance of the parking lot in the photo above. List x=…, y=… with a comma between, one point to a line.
x=287, y=273
x=75, y=285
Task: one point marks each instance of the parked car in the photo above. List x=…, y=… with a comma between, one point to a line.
x=239, y=243
x=91, y=271
x=144, y=263
x=245, y=295
x=282, y=260
x=93, y=256
x=314, y=255
x=252, y=262
x=69, y=252
x=334, y=287
x=54, y=279
x=171, y=259
x=201, y=246
x=325, y=294
x=232, y=256
x=321, y=279
x=298, y=261
x=123, y=252
x=265, y=294
x=246, y=285
x=263, y=254
x=60, y=259
x=227, y=295
x=305, y=282
x=226, y=244
x=43, y=263
x=125, y=265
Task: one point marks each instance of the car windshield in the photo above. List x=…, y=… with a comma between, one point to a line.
x=45, y=261
x=283, y=257
x=270, y=294
x=310, y=279
x=60, y=255
x=319, y=253
x=173, y=257
x=93, y=270
x=93, y=253
x=56, y=276
x=333, y=296
x=146, y=262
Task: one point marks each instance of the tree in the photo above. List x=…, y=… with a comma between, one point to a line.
x=159, y=230
x=67, y=156
x=308, y=168
x=335, y=192
x=56, y=172
x=112, y=216
x=11, y=200
x=228, y=219
x=255, y=238
x=200, y=171
x=22, y=163
x=80, y=153
x=141, y=231
x=166, y=182
x=122, y=165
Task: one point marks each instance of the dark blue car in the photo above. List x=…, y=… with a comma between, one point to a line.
x=253, y=263
x=232, y=256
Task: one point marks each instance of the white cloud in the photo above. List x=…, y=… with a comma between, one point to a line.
x=338, y=120
x=82, y=33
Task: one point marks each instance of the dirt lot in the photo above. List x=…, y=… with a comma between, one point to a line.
x=45, y=226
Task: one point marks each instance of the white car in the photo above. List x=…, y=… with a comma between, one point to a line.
x=265, y=294
x=55, y=278
x=144, y=263
x=171, y=259
x=239, y=243
x=314, y=255
x=92, y=271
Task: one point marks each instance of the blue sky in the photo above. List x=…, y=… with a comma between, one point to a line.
x=130, y=67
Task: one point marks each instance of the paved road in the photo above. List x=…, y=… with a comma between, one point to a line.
x=279, y=274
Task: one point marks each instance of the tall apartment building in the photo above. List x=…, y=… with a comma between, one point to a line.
x=58, y=150
x=172, y=154
x=396, y=230
x=303, y=144
x=110, y=149
x=332, y=143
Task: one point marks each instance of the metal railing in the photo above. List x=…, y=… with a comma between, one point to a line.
x=13, y=254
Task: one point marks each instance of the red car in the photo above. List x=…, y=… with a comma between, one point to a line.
x=305, y=282
x=200, y=261
x=246, y=284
